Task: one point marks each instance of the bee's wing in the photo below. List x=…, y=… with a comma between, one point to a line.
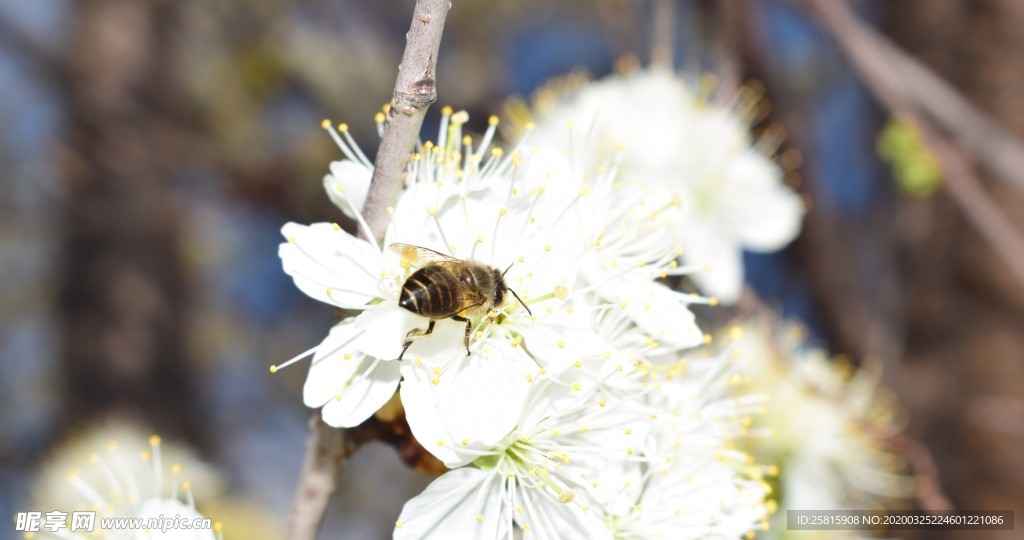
x=419, y=256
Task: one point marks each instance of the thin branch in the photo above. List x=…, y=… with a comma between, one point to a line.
x=727, y=45
x=961, y=182
x=994, y=146
x=326, y=451
x=663, y=30
x=926, y=471
x=415, y=91
x=39, y=56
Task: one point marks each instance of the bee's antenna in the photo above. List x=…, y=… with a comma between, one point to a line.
x=520, y=299
x=505, y=272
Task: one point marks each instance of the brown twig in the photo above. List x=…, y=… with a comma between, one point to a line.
x=727, y=46
x=326, y=451
x=993, y=145
x=929, y=491
x=879, y=72
x=415, y=91
x=663, y=28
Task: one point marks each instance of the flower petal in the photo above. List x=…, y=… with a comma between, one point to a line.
x=347, y=185
x=330, y=265
x=364, y=395
x=384, y=328
x=464, y=503
x=476, y=399
x=544, y=518
x=764, y=213
x=657, y=310
x=723, y=278
x=335, y=363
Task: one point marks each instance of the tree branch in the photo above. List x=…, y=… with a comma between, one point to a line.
x=727, y=45
x=994, y=146
x=961, y=182
x=663, y=29
x=326, y=451
x=415, y=91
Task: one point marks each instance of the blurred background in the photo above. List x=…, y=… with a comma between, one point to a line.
x=151, y=150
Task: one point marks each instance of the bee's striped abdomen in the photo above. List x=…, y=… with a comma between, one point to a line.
x=431, y=291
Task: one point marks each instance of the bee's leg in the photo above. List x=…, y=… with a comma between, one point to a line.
x=413, y=335
x=469, y=328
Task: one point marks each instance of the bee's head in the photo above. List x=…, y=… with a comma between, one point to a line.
x=499, y=287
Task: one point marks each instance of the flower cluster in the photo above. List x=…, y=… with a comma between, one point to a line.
x=554, y=390
x=130, y=479
x=689, y=146
x=828, y=422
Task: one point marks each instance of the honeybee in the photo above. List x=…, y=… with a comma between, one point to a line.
x=448, y=288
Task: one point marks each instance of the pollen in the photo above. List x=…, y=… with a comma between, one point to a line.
x=713, y=301
x=561, y=344
x=479, y=517
x=465, y=442
x=503, y=211
x=440, y=442
x=566, y=496
x=547, y=248
x=343, y=127
x=348, y=356
x=435, y=381
x=398, y=524
x=325, y=123
x=576, y=386
x=379, y=118
x=578, y=364
x=273, y=369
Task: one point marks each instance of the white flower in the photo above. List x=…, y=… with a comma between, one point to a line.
x=542, y=477
x=828, y=422
x=122, y=483
x=459, y=203
x=673, y=141
x=690, y=482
